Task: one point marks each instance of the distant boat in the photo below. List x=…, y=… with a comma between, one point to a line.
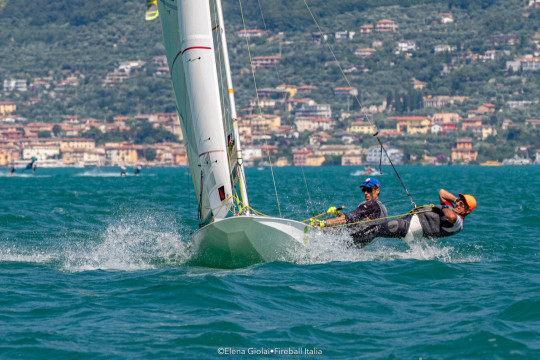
x=230, y=233
x=368, y=171
x=491, y=163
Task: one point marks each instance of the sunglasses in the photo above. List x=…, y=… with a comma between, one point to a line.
x=462, y=203
x=366, y=189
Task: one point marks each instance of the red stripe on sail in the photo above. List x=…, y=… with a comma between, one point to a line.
x=196, y=47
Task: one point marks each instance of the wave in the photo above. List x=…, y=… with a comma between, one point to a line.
x=29, y=175
x=324, y=248
x=97, y=173
x=144, y=243
x=13, y=253
x=135, y=242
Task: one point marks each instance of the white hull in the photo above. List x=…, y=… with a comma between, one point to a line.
x=245, y=240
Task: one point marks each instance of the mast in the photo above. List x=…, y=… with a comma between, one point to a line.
x=230, y=91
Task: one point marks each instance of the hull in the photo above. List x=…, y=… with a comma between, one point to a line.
x=246, y=240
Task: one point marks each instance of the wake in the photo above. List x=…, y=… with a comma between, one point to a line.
x=146, y=241
x=323, y=248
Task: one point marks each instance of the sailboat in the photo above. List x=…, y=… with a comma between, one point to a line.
x=231, y=234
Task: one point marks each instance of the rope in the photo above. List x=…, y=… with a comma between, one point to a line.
x=380, y=160
x=412, y=212
x=358, y=102
x=222, y=204
x=276, y=69
x=259, y=105
x=397, y=174
x=249, y=207
x=307, y=189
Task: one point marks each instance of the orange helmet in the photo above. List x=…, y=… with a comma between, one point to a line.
x=469, y=200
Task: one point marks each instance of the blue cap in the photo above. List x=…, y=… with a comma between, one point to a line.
x=371, y=182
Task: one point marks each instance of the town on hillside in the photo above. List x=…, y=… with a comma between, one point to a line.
x=436, y=120
x=322, y=137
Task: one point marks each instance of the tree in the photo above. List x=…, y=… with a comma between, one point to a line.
x=57, y=130
x=150, y=154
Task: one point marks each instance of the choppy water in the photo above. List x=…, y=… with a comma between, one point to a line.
x=94, y=266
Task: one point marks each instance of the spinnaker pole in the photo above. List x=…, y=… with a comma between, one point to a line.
x=230, y=91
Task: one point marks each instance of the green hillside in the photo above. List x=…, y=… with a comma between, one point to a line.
x=55, y=40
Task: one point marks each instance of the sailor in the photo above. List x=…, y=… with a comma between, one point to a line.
x=433, y=221
x=30, y=165
x=137, y=170
x=13, y=168
x=152, y=11
x=122, y=170
x=370, y=212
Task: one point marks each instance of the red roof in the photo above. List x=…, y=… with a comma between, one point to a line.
x=408, y=118
x=361, y=123
x=531, y=59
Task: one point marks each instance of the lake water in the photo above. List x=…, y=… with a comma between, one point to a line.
x=95, y=266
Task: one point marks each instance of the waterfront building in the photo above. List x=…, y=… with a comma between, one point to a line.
x=7, y=107
x=464, y=151
x=352, y=158
x=374, y=155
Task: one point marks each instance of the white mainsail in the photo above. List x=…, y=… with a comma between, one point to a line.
x=189, y=45
x=213, y=143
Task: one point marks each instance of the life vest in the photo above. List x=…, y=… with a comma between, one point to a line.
x=374, y=212
x=436, y=225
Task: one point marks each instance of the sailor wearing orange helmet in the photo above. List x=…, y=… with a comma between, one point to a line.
x=428, y=221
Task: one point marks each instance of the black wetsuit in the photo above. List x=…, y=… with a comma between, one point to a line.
x=30, y=165
x=432, y=220
x=373, y=209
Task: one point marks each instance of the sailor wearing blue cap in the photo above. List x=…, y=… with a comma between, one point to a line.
x=371, y=182
x=370, y=212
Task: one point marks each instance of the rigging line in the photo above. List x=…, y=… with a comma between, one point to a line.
x=309, y=196
x=274, y=67
x=262, y=15
x=412, y=212
x=358, y=102
x=220, y=69
x=187, y=192
x=397, y=174
x=395, y=199
x=337, y=61
x=278, y=73
x=226, y=111
x=380, y=160
x=259, y=104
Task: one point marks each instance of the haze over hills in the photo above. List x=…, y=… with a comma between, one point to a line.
x=59, y=40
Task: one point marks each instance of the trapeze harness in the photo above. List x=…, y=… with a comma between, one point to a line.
x=425, y=221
